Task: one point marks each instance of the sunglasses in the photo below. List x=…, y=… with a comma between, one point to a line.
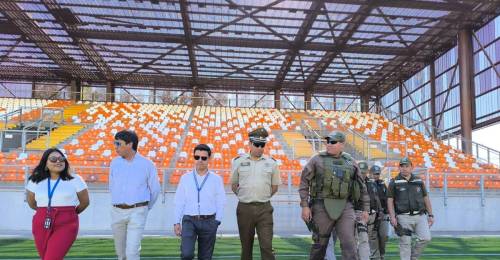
x=259, y=145
x=331, y=142
x=203, y=158
x=55, y=159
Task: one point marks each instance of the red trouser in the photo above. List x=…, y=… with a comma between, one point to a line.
x=54, y=243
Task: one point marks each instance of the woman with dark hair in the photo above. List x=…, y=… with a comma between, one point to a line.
x=58, y=197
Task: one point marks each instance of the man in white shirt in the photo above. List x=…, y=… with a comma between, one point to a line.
x=134, y=188
x=199, y=207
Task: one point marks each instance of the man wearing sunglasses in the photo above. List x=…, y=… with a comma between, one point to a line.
x=134, y=188
x=199, y=206
x=329, y=186
x=255, y=179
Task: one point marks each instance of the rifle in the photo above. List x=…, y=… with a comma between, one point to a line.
x=310, y=224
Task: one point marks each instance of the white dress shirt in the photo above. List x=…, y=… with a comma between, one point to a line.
x=212, y=196
x=134, y=181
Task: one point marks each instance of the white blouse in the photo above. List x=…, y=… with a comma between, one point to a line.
x=64, y=194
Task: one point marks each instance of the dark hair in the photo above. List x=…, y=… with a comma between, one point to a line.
x=41, y=172
x=128, y=136
x=203, y=147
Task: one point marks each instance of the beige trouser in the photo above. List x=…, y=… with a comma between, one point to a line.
x=362, y=234
x=128, y=226
x=420, y=228
x=378, y=238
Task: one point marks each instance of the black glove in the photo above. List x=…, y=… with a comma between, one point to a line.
x=310, y=226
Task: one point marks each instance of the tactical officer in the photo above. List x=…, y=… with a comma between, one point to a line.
x=409, y=206
x=255, y=178
x=377, y=244
x=366, y=230
x=332, y=182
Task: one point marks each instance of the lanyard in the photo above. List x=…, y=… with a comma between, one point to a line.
x=198, y=188
x=51, y=191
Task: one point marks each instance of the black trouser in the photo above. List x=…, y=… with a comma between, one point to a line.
x=204, y=230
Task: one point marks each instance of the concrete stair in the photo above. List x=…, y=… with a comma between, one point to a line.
x=57, y=136
x=73, y=110
x=300, y=146
x=300, y=116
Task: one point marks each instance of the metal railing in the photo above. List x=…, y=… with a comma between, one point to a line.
x=481, y=152
x=448, y=184
x=13, y=117
x=208, y=99
x=455, y=183
x=25, y=133
x=315, y=144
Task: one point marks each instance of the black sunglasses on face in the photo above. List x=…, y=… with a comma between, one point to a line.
x=55, y=159
x=259, y=145
x=203, y=158
x=332, y=142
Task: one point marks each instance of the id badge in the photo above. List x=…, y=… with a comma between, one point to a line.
x=47, y=223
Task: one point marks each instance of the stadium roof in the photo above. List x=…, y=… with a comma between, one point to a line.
x=345, y=46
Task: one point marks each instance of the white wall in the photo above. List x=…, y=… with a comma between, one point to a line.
x=463, y=213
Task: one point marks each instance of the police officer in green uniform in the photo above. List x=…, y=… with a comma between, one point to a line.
x=255, y=178
x=377, y=243
x=329, y=185
x=409, y=206
x=367, y=230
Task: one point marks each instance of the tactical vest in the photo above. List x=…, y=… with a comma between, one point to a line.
x=336, y=182
x=382, y=194
x=408, y=195
x=371, y=186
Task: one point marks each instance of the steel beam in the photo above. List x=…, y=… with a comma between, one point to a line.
x=466, y=63
x=34, y=33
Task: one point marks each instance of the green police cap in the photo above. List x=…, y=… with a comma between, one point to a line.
x=363, y=166
x=336, y=136
x=405, y=161
x=258, y=135
x=375, y=169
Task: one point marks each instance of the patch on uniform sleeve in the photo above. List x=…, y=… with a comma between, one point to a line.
x=245, y=164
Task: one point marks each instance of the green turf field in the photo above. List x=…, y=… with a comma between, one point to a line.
x=229, y=248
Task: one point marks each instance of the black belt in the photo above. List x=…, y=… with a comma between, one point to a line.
x=136, y=205
x=255, y=203
x=314, y=201
x=412, y=212
x=201, y=217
